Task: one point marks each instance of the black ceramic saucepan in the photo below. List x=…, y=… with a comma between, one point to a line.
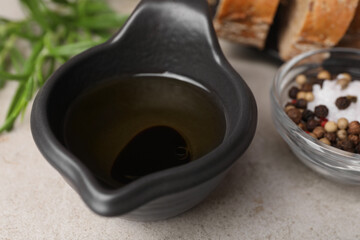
x=174, y=36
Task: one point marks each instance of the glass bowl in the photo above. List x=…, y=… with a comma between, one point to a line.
x=326, y=160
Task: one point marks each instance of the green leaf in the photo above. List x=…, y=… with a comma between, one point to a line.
x=73, y=48
x=2, y=82
x=17, y=60
x=39, y=69
x=3, y=20
x=36, y=11
x=50, y=69
x=103, y=21
x=96, y=7
x=29, y=64
x=11, y=118
x=9, y=76
x=55, y=30
x=29, y=88
x=16, y=101
x=64, y=2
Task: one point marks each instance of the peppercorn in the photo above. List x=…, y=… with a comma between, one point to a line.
x=342, y=123
x=341, y=134
x=343, y=83
x=330, y=136
x=307, y=114
x=307, y=87
x=311, y=124
x=357, y=148
x=324, y=75
x=313, y=135
x=301, y=103
x=293, y=92
x=289, y=103
x=325, y=140
x=352, y=99
x=345, y=76
x=321, y=111
x=346, y=145
x=319, y=132
x=295, y=115
x=309, y=97
x=300, y=79
x=342, y=103
x=354, y=127
x=354, y=139
x=331, y=126
x=323, y=122
x=287, y=108
x=301, y=95
x=302, y=126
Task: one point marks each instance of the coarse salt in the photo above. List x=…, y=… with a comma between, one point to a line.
x=328, y=94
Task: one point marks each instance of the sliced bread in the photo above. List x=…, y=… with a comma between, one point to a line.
x=313, y=24
x=245, y=21
x=352, y=36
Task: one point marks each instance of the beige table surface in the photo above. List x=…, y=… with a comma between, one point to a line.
x=268, y=194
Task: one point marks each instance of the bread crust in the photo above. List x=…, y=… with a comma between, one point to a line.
x=352, y=36
x=325, y=23
x=245, y=21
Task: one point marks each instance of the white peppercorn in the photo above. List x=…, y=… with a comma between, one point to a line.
x=331, y=126
x=341, y=134
x=342, y=123
x=324, y=75
x=325, y=140
x=300, y=79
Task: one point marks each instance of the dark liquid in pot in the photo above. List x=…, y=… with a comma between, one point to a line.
x=130, y=127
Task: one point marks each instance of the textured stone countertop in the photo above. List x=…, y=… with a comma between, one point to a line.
x=268, y=194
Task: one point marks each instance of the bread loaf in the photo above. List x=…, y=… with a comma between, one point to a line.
x=313, y=24
x=245, y=21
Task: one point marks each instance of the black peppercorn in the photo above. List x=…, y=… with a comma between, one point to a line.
x=345, y=145
x=301, y=103
x=352, y=98
x=357, y=148
x=295, y=115
x=289, y=104
x=293, y=92
x=302, y=126
x=307, y=87
x=342, y=102
x=312, y=124
x=321, y=111
x=330, y=136
x=354, y=139
x=354, y=127
x=307, y=115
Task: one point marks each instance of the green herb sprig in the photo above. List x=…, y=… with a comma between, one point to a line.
x=52, y=32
